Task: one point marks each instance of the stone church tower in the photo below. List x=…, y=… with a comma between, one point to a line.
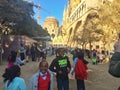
x=51, y=24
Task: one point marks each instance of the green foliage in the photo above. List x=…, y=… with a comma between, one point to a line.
x=18, y=16
x=91, y=31
x=109, y=16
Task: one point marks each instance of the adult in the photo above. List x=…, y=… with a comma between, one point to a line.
x=22, y=51
x=33, y=52
x=114, y=67
x=28, y=54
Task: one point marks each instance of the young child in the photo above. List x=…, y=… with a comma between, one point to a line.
x=61, y=66
x=81, y=71
x=76, y=59
x=43, y=79
x=12, y=79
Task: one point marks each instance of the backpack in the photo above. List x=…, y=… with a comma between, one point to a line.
x=114, y=66
x=81, y=70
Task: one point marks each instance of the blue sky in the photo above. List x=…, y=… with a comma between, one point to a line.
x=55, y=7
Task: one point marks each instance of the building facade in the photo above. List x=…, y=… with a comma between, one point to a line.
x=75, y=15
x=51, y=24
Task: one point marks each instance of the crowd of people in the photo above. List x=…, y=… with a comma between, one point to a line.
x=26, y=53
x=60, y=67
x=43, y=79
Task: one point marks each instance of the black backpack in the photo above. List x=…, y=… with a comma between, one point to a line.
x=114, y=66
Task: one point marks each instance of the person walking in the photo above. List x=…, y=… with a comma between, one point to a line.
x=28, y=53
x=12, y=79
x=33, y=52
x=61, y=66
x=22, y=51
x=43, y=79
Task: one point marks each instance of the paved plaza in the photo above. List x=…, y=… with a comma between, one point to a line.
x=99, y=78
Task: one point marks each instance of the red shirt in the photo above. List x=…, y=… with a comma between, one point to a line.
x=81, y=70
x=44, y=84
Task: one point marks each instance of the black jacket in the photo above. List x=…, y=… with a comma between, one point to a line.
x=60, y=63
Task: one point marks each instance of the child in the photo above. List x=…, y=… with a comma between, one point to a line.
x=76, y=59
x=94, y=61
x=81, y=71
x=61, y=66
x=12, y=79
x=94, y=57
x=43, y=79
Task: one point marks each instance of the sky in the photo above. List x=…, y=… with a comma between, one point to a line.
x=55, y=7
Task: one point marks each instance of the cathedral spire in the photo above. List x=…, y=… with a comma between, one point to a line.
x=64, y=13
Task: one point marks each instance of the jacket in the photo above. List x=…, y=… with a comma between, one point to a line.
x=34, y=81
x=81, y=70
x=114, y=66
x=17, y=84
x=61, y=63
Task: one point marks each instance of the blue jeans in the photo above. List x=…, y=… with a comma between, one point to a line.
x=80, y=85
x=62, y=84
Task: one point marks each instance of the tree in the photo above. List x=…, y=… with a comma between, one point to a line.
x=109, y=16
x=91, y=31
x=18, y=15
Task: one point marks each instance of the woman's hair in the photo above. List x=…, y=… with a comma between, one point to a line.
x=80, y=55
x=11, y=73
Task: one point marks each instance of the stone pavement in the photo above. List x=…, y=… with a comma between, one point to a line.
x=98, y=79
